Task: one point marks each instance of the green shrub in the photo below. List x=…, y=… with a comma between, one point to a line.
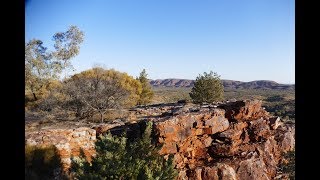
x=119, y=158
x=42, y=162
x=207, y=88
x=146, y=93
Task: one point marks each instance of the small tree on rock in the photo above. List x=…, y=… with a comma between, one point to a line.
x=207, y=88
x=147, y=93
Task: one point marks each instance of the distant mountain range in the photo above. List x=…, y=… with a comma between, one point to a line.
x=228, y=84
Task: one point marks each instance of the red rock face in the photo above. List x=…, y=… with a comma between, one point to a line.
x=67, y=141
x=189, y=136
x=239, y=141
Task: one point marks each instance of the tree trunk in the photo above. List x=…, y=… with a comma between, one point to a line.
x=101, y=117
x=34, y=96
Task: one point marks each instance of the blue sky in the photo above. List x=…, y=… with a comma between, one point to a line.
x=240, y=40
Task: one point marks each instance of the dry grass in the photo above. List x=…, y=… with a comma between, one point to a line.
x=110, y=115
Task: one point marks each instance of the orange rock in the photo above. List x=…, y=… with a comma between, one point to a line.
x=67, y=141
x=168, y=148
x=245, y=110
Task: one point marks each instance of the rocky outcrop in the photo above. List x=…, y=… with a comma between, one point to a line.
x=244, y=110
x=237, y=140
x=189, y=136
x=67, y=141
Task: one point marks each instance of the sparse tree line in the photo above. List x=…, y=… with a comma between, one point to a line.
x=95, y=91
x=92, y=91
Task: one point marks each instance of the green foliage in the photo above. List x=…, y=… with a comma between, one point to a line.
x=119, y=158
x=37, y=67
x=41, y=67
x=147, y=93
x=98, y=90
x=42, y=162
x=207, y=88
x=67, y=44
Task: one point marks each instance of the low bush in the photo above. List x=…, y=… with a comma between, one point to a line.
x=120, y=158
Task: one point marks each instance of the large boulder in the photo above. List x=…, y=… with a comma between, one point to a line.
x=246, y=110
x=188, y=136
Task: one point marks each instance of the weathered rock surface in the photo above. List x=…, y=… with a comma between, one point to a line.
x=252, y=169
x=67, y=141
x=244, y=110
x=238, y=140
x=188, y=136
x=102, y=128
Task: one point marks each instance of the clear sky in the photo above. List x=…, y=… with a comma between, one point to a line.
x=241, y=40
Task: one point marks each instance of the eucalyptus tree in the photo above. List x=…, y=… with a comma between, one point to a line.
x=43, y=66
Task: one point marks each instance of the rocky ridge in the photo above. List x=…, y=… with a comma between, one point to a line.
x=235, y=140
x=228, y=84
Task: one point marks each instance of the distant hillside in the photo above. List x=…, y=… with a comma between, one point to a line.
x=228, y=84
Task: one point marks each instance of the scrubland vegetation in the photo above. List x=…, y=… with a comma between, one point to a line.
x=120, y=158
x=99, y=94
